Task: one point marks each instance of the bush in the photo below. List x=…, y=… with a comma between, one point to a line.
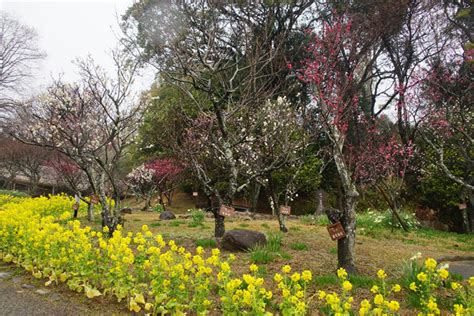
x=197, y=218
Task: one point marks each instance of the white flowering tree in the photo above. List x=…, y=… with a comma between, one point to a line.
x=142, y=182
x=91, y=122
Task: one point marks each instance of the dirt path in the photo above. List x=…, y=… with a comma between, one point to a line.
x=22, y=295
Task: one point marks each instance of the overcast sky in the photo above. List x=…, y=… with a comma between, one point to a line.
x=69, y=29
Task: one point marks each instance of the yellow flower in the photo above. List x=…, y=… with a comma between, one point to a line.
x=295, y=277
x=225, y=267
x=430, y=264
x=347, y=306
x=321, y=295
x=105, y=229
x=253, y=268
x=285, y=293
x=374, y=289
x=443, y=274
x=381, y=274
x=459, y=309
x=277, y=277
x=455, y=285
x=286, y=269
x=139, y=298
x=145, y=228
x=341, y=273
x=306, y=275
x=347, y=286
x=471, y=281
x=422, y=276
x=396, y=288
x=216, y=252
x=378, y=299
x=393, y=306
x=413, y=286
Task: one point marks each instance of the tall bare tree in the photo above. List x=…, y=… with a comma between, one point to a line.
x=18, y=53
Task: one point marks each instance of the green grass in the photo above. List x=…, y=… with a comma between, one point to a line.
x=274, y=242
x=333, y=250
x=243, y=225
x=206, y=243
x=265, y=225
x=300, y=246
x=175, y=223
x=156, y=224
x=362, y=281
x=261, y=255
x=197, y=218
x=326, y=280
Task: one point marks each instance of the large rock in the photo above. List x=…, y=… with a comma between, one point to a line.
x=166, y=215
x=242, y=239
x=126, y=210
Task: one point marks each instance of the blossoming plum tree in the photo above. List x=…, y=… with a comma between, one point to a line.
x=91, y=122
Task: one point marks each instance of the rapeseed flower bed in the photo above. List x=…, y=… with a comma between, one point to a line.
x=160, y=277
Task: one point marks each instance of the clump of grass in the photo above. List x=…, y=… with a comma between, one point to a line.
x=333, y=250
x=261, y=255
x=274, y=242
x=326, y=280
x=307, y=219
x=197, y=218
x=158, y=208
x=243, y=225
x=206, y=243
x=175, y=223
x=265, y=225
x=299, y=246
x=321, y=220
x=156, y=224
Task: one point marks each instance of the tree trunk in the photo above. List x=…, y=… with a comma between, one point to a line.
x=90, y=212
x=275, y=204
x=393, y=206
x=346, y=246
x=219, y=229
x=254, y=195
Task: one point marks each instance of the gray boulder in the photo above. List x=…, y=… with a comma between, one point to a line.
x=242, y=239
x=167, y=215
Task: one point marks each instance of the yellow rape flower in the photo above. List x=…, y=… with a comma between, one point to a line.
x=286, y=269
x=443, y=274
x=253, y=268
x=430, y=264
x=422, y=277
x=393, y=306
x=381, y=274
x=341, y=273
x=396, y=288
x=306, y=275
x=378, y=299
x=413, y=286
x=347, y=286
x=295, y=277
x=277, y=277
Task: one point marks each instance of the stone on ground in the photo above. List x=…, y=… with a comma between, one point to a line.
x=167, y=215
x=242, y=239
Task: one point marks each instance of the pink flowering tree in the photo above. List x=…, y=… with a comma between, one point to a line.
x=158, y=176
x=338, y=68
x=167, y=174
x=383, y=163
